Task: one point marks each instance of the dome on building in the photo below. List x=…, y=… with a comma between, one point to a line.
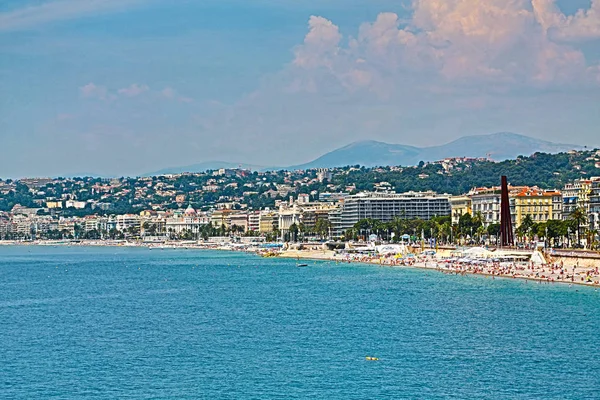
x=190, y=211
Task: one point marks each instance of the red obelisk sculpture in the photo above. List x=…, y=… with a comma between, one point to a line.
x=506, y=231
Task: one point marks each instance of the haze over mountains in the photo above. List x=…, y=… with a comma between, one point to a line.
x=369, y=153
x=499, y=147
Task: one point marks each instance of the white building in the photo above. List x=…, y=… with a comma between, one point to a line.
x=190, y=221
x=127, y=221
x=303, y=198
x=387, y=206
x=75, y=204
x=254, y=221
x=324, y=174
x=240, y=220
x=95, y=223
x=594, y=206
x=486, y=201
x=288, y=216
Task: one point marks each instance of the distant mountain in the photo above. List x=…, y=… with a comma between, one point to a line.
x=370, y=153
x=202, y=167
x=366, y=153
x=499, y=146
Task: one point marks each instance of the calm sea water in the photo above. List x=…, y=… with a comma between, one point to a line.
x=117, y=323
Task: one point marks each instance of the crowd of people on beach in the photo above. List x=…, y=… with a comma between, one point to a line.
x=549, y=273
x=554, y=272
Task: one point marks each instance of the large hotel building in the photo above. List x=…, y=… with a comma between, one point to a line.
x=387, y=206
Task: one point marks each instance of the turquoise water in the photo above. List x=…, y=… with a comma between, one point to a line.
x=133, y=323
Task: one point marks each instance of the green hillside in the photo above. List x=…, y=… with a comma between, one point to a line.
x=548, y=171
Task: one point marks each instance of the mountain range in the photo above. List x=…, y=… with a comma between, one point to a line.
x=369, y=153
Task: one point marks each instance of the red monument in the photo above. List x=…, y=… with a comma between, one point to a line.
x=506, y=231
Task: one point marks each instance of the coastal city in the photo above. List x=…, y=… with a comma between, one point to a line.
x=358, y=199
x=335, y=215
x=292, y=206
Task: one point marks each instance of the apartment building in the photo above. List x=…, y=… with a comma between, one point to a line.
x=254, y=221
x=486, y=202
x=127, y=221
x=460, y=206
x=594, y=206
x=540, y=205
x=576, y=195
x=240, y=220
x=387, y=206
x=221, y=218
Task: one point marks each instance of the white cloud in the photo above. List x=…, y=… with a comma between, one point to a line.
x=583, y=25
x=56, y=10
x=133, y=90
x=320, y=44
x=171, y=94
x=498, y=42
x=168, y=93
x=93, y=91
x=453, y=67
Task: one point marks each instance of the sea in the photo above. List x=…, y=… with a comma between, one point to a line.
x=134, y=323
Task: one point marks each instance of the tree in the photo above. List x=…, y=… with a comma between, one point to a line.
x=350, y=234
x=526, y=226
x=365, y=226
x=133, y=231
x=494, y=230
x=579, y=217
x=591, y=235
x=236, y=229
x=293, y=230
x=593, y=239
x=322, y=227
x=480, y=232
x=446, y=231
x=467, y=225
x=555, y=229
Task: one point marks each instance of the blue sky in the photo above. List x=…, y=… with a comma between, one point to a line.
x=123, y=87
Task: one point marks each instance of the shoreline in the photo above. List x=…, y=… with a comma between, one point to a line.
x=322, y=255
x=332, y=256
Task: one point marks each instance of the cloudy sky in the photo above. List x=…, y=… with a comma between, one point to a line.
x=123, y=87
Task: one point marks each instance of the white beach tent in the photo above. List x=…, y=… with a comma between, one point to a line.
x=392, y=249
x=477, y=252
x=538, y=258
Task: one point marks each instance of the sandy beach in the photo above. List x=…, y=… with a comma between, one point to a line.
x=562, y=270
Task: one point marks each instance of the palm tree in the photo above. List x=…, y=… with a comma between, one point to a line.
x=525, y=227
x=494, y=230
x=322, y=227
x=477, y=219
x=592, y=234
x=579, y=217
x=293, y=229
x=350, y=234
x=480, y=232
x=302, y=230
x=446, y=231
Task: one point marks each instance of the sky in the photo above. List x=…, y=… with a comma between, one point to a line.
x=126, y=87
